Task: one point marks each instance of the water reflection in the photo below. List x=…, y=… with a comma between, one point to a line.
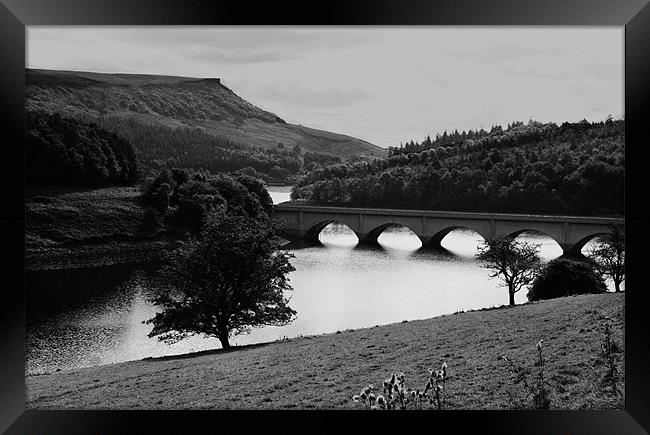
x=547, y=246
x=462, y=242
x=336, y=235
x=592, y=244
x=399, y=241
x=279, y=193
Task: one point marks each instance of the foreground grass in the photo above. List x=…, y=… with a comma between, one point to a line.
x=68, y=227
x=326, y=371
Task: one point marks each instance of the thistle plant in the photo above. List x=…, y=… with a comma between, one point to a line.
x=436, y=382
x=395, y=395
x=367, y=397
x=538, y=387
x=609, y=352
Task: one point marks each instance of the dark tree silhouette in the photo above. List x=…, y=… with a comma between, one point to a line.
x=609, y=255
x=513, y=262
x=563, y=277
x=231, y=279
x=182, y=197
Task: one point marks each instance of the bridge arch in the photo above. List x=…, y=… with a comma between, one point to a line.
x=313, y=233
x=435, y=242
x=311, y=236
x=564, y=248
x=372, y=238
x=576, y=249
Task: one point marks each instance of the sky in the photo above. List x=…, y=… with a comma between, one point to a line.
x=385, y=85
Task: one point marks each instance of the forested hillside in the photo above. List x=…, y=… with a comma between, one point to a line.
x=64, y=151
x=574, y=168
x=158, y=146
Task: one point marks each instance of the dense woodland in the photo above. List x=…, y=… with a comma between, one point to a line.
x=573, y=168
x=58, y=156
x=158, y=146
x=65, y=151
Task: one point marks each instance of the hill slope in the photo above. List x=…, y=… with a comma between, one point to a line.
x=202, y=103
x=572, y=168
x=326, y=371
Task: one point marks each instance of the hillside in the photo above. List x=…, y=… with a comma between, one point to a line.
x=71, y=227
x=196, y=103
x=572, y=168
x=326, y=371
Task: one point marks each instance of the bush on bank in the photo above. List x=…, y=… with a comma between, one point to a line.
x=562, y=277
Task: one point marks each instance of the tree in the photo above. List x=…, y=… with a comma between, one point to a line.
x=231, y=279
x=515, y=263
x=609, y=255
x=563, y=277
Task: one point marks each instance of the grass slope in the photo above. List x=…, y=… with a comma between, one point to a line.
x=68, y=227
x=326, y=371
x=177, y=102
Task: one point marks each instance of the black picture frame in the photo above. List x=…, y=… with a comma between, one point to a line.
x=16, y=14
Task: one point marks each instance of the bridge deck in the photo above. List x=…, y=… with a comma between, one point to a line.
x=291, y=206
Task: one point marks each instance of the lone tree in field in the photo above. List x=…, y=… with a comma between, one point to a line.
x=229, y=280
x=514, y=263
x=609, y=255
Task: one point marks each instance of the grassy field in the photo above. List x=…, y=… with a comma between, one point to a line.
x=326, y=371
x=67, y=227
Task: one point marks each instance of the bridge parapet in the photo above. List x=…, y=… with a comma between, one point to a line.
x=431, y=226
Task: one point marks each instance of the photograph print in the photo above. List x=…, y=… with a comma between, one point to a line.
x=291, y=217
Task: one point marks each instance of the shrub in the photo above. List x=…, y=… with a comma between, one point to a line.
x=537, y=389
x=565, y=278
x=610, y=353
x=151, y=220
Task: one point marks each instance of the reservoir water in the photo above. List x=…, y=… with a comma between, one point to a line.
x=91, y=317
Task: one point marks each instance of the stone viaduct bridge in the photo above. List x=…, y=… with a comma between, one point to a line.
x=306, y=222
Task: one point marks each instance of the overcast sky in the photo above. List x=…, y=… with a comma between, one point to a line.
x=381, y=84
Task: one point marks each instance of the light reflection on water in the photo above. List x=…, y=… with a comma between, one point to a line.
x=337, y=286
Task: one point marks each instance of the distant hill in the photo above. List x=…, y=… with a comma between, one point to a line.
x=573, y=168
x=169, y=101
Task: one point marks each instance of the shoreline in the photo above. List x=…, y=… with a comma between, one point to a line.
x=324, y=371
x=109, y=253
x=235, y=347
x=70, y=227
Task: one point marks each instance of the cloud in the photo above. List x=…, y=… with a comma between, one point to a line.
x=599, y=70
x=592, y=70
x=297, y=95
x=499, y=53
x=436, y=77
x=210, y=54
x=536, y=72
x=245, y=45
